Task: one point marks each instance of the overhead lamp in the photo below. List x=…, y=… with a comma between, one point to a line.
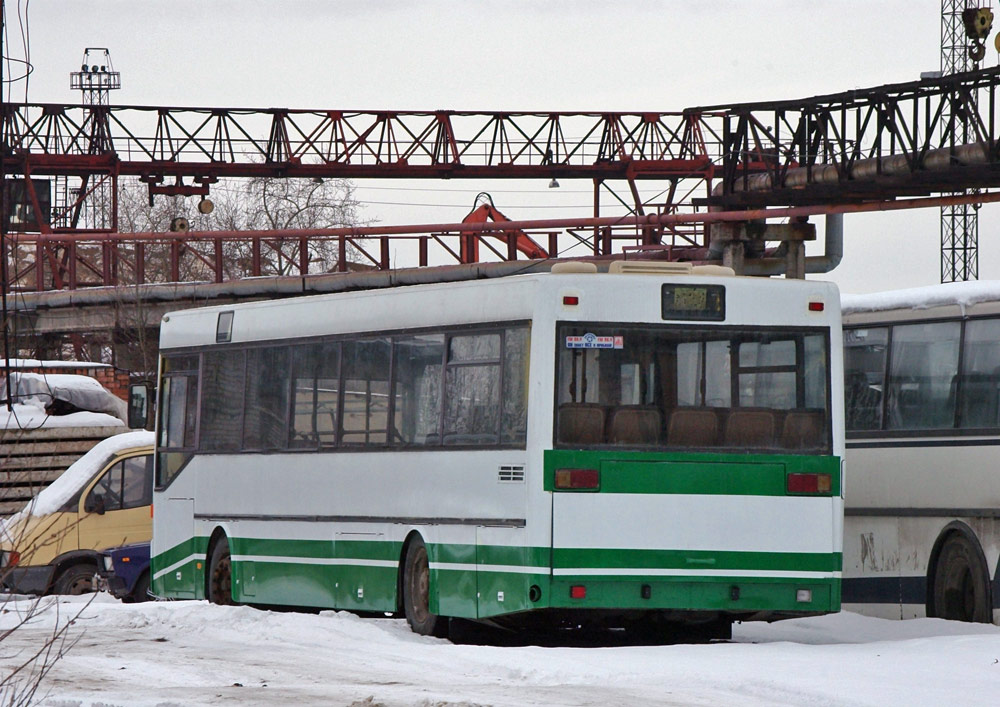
x=553, y=184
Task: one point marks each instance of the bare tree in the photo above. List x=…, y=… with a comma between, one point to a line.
x=33, y=657
x=260, y=203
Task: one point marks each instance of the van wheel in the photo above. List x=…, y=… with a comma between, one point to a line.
x=76, y=579
x=220, y=577
x=961, y=586
x=140, y=592
x=416, y=592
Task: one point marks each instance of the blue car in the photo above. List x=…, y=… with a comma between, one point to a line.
x=125, y=572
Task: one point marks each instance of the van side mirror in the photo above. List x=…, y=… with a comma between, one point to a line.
x=95, y=504
x=140, y=415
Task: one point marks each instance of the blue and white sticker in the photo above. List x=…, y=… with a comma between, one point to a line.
x=593, y=341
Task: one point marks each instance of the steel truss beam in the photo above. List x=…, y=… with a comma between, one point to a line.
x=863, y=146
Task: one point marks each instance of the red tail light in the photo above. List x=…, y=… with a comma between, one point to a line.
x=578, y=479
x=578, y=591
x=808, y=483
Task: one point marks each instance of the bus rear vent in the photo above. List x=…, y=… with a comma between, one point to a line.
x=511, y=474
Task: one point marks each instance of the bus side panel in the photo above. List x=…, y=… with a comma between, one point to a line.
x=901, y=499
x=176, y=551
x=512, y=576
x=871, y=550
x=451, y=556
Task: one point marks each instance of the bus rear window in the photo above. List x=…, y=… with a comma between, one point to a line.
x=698, y=388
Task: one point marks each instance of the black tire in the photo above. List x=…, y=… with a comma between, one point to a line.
x=140, y=592
x=76, y=579
x=416, y=592
x=219, y=583
x=961, y=587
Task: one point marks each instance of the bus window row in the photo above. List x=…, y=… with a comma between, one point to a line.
x=924, y=376
x=589, y=424
x=449, y=388
x=723, y=388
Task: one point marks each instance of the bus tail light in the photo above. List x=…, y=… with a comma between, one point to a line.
x=578, y=591
x=808, y=483
x=578, y=479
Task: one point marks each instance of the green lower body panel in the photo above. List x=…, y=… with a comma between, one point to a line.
x=481, y=582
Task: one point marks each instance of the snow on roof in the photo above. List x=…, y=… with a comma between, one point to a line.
x=53, y=496
x=31, y=416
x=37, y=363
x=81, y=392
x=955, y=293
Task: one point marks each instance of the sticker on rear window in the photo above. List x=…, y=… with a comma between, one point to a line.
x=593, y=341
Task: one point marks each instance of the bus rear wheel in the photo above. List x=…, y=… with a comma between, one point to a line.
x=220, y=578
x=961, y=585
x=416, y=592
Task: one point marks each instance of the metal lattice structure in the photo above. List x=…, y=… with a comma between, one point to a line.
x=867, y=146
x=959, y=223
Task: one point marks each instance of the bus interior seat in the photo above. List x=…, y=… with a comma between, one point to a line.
x=693, y=427
x=753, y=428
x=803, y=429
x=581, y=423
x=635, y=424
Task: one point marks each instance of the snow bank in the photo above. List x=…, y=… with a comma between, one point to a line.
x=194, y=653
x=957, y=293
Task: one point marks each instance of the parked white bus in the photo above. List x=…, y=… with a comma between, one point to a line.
x=622, y=449
x=922, y=386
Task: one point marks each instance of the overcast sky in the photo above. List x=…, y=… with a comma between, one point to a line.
x=504, y=54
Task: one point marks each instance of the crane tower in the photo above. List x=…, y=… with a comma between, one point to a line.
x=964, y=26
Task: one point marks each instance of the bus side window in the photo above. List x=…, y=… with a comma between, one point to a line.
x=514, y=415
x=264, y=423
x=178, y=411
x=979, y=386
x=865, y=353
x=223, y=382
x=366, y=391
x=417, y=389
x=472, y=390
x=923, y=364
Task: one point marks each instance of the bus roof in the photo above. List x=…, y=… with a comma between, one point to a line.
x=956, y=294
x=511, y=298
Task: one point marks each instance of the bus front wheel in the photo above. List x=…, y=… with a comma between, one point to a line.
x=961, y=585
x=416, y=592
x=220, y=581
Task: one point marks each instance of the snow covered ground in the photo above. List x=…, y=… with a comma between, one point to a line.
x=168, y=654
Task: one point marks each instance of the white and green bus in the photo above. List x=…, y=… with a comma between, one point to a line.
x=922, y=526
x=619, y=449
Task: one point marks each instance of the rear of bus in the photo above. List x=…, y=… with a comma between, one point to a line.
x=695, y=470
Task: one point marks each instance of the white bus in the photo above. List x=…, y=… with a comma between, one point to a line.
x=922, y=386
x=568, y=447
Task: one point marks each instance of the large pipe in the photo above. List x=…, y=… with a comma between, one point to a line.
x=833, y=253
x=936, y=160
x=493, y=228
